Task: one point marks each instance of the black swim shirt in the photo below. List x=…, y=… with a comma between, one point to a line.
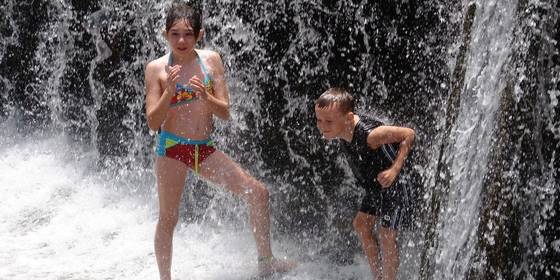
x=364, y=161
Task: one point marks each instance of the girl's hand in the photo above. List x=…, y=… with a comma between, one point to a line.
x=387, y=177
x=172, y=78
x=199, y=87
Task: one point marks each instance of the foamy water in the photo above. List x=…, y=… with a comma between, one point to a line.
x=62, y=219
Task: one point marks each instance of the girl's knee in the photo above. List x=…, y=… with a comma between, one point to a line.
x=262, y=194
x=168, y=221
x=258, y=191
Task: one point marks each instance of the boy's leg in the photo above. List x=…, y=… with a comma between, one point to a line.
x=220, y=169
x=389, y=253
x=392, y=213
x=363, y=224
x=170, y=183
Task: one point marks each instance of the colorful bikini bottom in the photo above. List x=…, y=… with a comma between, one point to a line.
x=190, y=152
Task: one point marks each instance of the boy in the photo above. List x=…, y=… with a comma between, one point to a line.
x=376, y=154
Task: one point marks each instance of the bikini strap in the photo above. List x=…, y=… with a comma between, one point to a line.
x=207, y=76
x=204, y=70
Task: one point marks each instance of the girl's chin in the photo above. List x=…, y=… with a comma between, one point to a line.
x=182, y=50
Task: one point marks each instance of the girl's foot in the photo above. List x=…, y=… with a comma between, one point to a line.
x=271, y=265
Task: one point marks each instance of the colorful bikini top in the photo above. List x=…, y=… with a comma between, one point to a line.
x=185, y=93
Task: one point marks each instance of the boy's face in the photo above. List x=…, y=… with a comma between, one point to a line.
x=331, y=121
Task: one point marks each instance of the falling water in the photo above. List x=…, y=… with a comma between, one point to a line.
x=489, y=54
x=483, y=229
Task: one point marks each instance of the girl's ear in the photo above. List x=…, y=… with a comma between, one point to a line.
x=163, y=33
x=200, y=35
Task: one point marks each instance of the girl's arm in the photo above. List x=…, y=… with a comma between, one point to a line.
x=219, y=100
x=158, y=98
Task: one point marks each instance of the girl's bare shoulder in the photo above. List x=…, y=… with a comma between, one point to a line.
x=157, y=64
x=210, y=56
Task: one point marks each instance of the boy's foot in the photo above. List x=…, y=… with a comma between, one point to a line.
x=270, y=265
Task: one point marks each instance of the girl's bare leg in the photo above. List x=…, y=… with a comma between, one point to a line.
x=170, y=183
x=220, y=169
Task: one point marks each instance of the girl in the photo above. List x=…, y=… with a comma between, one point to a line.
x=184, y=90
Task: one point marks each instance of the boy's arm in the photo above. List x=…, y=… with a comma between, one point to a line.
x=392, y=134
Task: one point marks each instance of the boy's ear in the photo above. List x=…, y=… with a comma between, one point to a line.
x=163, y=33
x=350, y=116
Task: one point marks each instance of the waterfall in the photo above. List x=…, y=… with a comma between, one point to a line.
x=482, y=230
x=485, y=78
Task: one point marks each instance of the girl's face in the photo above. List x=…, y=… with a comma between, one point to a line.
x=181, y=37
x=331, y=121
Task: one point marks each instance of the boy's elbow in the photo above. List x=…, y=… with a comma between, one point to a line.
x=411, y=134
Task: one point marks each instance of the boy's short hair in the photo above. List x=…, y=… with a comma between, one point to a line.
x=337, y=95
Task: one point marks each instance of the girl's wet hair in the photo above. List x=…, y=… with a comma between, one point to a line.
x=336, y=95
x=183, y=11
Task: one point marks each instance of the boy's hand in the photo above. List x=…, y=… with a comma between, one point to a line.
x=387, y=177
